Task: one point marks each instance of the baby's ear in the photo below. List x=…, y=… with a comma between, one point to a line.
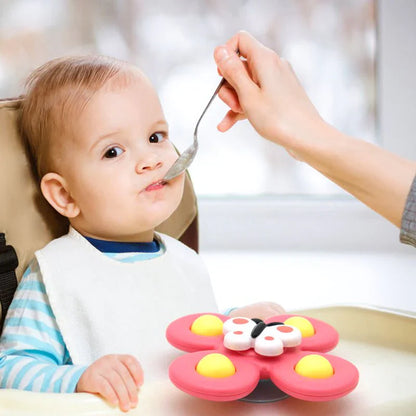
x=54, y=188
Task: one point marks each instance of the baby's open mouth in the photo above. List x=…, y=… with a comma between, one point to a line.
x=156, y=185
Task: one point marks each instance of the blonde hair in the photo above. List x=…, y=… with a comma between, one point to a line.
x=57, y=89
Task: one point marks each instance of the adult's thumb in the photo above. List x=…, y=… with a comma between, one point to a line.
x=233, y=70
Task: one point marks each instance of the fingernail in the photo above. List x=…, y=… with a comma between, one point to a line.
x=221, y=53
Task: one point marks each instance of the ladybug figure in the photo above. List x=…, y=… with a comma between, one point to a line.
x=269, y=340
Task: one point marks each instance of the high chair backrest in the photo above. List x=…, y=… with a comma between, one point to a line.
x=29, y=222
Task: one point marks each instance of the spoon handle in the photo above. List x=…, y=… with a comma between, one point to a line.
x=206, y=108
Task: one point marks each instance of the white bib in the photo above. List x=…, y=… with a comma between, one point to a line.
x=103, y=306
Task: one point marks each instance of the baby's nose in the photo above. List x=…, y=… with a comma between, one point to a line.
x=147, y=165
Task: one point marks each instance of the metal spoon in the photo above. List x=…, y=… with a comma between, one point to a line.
x=186, y=158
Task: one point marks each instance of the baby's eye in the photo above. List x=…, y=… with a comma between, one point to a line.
x=156, y=138
x=113, y=152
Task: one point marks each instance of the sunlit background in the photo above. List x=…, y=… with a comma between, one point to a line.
x=331, y=45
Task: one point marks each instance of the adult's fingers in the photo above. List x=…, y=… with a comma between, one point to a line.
x=233, y=70
x=260, y=59
x=245, y=44
x=229, y=96
x=229, y=120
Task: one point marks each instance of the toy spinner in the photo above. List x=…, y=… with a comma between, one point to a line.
x=248, y=359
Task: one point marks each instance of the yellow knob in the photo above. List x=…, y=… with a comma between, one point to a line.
x=304, y=326
x=215, y=366
x=314, y=366
x=207, y=325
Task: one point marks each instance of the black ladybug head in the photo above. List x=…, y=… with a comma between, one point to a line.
x=260, y=325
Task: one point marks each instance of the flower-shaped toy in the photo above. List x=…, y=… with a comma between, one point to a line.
x=230, y=356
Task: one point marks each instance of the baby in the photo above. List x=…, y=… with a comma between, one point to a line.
x=95, y=301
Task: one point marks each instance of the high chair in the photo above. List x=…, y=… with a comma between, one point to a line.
x=28, y=223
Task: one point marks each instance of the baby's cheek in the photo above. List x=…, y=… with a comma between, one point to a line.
x=180, y=185
x=177, y=188
x=171, y=153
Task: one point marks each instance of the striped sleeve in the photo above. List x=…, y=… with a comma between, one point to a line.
x=33, y=355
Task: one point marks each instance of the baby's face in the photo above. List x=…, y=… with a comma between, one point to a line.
x=118, y=152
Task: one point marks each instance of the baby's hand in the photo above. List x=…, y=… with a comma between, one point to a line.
x=115, y=377
x=261, y=310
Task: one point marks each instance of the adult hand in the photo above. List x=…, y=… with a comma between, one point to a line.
x=117, y=378
x=265, y=90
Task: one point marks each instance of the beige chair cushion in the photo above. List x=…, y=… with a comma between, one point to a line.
x=26, y=218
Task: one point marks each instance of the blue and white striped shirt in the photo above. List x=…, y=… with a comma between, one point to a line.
x=33, y=354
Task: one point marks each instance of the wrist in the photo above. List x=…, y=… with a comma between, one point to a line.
x=75, y=379
x=310, y=140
